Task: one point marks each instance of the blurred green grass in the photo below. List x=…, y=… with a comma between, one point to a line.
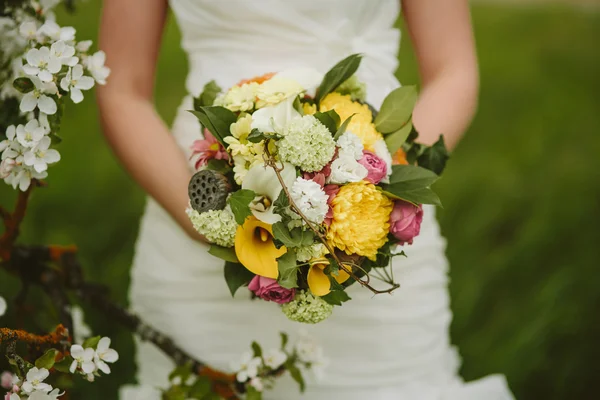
x=521, y=195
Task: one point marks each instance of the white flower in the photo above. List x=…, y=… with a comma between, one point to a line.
x=14, y=396
x=263, y=181
x=30, y=134
x=257, y=384
x=308, y=78
x=95, y=64
x=345, y=169
x=351, y=144
x=75, y=82
x=64, y=53
x=21, y=177
x=42, y=63
x=38, y=97
x=6, y=167
x=3, y=306
x=28, y=30
x=54, y=32
x=381, y=150
x=239, y=98
x=247, y=368
x=274, y=358
x=104, y=354
x=40, y=395
x=310, y=199
x=82, y=330
x=35, y=381
x=40, y=156
x=47, y=5
x=277, y=89
x=82, y=358
x=275, y=118
x=310, y=353
x=83, y=46
x=218, y=226
x=11, y=133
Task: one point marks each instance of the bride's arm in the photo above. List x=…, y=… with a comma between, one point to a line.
x=443, y=39
x=130, y=34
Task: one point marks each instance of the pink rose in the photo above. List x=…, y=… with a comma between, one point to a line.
x=207, y=149
x=376, y=167
x=405, y=221
x=268, y=289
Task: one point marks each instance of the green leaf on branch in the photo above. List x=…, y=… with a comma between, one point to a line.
x=284, y=340
x=434, y=158
x=257, y=136
x=395, y=140
x=336, y=297
x=236, y=276
x=343, y=127
x=240, y=204
x=91, y=342
x=296, y=374
x=217, y=120
x=297, y=237
x=224, y=253
x=256, y=349
x=252, y=393
x=288, y=270
x=23, y=85
x=338, y=75
x=64, y=365
x=396, y=109
x=412, y=184
x=208, y=95
x=200, y=388
x=47, y=359
x=330, y=119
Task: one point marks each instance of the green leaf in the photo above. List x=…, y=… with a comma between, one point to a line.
x=296, y=374
x=224, y=253
x=240, y=204
x=200, y=388
x=297, y=237
x=236, y=276
x=217, y=120
x=343, y=128
x=282, y=201
x=252, y=393
x=47, y=360
x=434, y=158
x=208, y=95
x=23, y=85
x=256, y=136
x=336, y=297
x=396, y=109
x=91, y=342
x=416, y=196
x=182, y=371
x=64, y=364
x=330, y=119
x=288, y=270
x=256, y=349
x=395, y=140
x=284, y=339
x=338, y=75
x=412, y=184
x=221, y=166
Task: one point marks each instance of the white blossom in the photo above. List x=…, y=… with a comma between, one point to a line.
x=55, y=33
x=310, y=199
x=82, y=358
x=42, y=63
x=351, y=145
x=35, y=381
x=247, y=368
x=64, y=52
x=28, y=30
x=40, y=156
x=41, y=395
x=257, y=384
x=75, y=82
x=83, y=46
x=39, y=98
x=30, y=134
x=104, y=354
x=345, y=169
x=310, y=352
x=82, y=330
x=274, y=358
x=95, y=64
x=6, y=167
x=3, y=306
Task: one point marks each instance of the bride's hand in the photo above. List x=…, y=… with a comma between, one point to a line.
x=130, y=35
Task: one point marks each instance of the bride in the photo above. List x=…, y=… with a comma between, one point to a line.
x=387, y=347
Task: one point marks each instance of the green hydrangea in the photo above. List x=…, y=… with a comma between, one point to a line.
x=355, y=88
x=218, y=226
x=306, y=253
x=307, y=143
x=307, y=308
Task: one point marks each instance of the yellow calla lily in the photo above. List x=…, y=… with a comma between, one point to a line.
x=255, y=249
x=318, y=282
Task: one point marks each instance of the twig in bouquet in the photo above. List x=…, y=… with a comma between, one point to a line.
x=58, y=337
x=271, y=162
x=12, y=222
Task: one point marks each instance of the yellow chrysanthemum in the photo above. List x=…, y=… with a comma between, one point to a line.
x=309, y=109
x=360, y=223
x=362, y=121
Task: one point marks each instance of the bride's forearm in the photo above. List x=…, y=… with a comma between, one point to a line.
x=148, y=151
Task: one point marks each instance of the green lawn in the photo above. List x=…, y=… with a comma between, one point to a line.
x=521, y=195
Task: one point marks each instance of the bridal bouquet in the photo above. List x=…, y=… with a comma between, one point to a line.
x=303, y=188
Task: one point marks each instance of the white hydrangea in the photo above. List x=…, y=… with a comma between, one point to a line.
x=218, y=226
x=310, y=199
x=346, y=169
x=239, y=98
x=351, y=145
x=381, y=150
x=316, y=250
x=307, y=143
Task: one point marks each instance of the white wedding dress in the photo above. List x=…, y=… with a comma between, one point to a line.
x=387, y=347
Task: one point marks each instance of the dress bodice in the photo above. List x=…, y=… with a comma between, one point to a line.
x=228, y=40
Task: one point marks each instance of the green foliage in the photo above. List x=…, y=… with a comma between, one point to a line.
x=240, y=204
x=257, y=350
x=396, y=139
x=338, y=75
x=91, y=342
x=330, y=119
x=217, y=120
x=297, y=237
x=343, y=127
x=236, y=276
x=47, y=359
x=296, y=374
x=23, y=85
x=288, y=270
x=224, y=253
x=396, y=110
x=336, y=297
x=208, y=95
x=412, y=184
x=253, y=394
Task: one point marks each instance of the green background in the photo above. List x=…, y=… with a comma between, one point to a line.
x=521, y=195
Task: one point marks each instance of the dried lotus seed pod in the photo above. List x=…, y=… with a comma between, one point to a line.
x=208, y=190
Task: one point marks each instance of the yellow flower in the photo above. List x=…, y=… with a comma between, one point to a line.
x=309, y=109
x=360, y=222
x=319, y=283
x=362, y=121
x=255, y=249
